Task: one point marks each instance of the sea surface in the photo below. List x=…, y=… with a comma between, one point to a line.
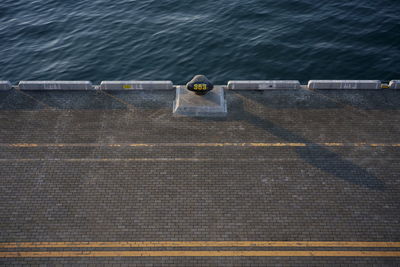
x=175, y=39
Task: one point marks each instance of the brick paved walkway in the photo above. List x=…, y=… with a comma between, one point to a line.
x=283, y=166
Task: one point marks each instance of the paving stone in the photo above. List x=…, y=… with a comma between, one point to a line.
x=171, y=192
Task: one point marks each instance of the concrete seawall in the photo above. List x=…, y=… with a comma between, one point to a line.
x=231, y=85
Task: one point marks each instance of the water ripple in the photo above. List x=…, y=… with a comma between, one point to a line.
x=228, y=39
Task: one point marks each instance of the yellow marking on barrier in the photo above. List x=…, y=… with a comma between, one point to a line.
x=42, y=254
x=131, y=244
x=200, y=144
x=127, y=86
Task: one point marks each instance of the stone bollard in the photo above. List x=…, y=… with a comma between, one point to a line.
x=200, y=85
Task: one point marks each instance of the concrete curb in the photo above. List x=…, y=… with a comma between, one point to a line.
x=5, y=85
x=394, y=84
x=55, y=85
x=132, y=85
x=344, y=84
x=136, y=85
x=264, y=85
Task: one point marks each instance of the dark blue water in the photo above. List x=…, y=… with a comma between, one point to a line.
x=175, y=39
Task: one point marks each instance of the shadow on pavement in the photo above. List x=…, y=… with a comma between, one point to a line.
x=85, y=100
x=386, y=99
x=320, y=157
x=314, y=154
x=288, y=99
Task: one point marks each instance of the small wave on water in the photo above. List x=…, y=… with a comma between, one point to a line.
x=173, y=39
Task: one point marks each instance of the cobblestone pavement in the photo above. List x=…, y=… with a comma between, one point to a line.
x=304, y=166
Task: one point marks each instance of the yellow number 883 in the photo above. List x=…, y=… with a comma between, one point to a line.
x=200, y=86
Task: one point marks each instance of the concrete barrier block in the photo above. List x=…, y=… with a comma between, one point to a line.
x=212, y=104
x=344, y=84
x=55, y=85
x=5, y=85
x=264, y=85
x=394, y=84
x=136, y=85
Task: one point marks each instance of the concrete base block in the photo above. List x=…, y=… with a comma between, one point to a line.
x=344, y=84
x=394, y=84
x=136, y=85
x=264, y=85
x=187, y=103
x=5, y=85
x=55, y=85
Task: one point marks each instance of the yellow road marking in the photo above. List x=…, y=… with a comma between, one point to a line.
x=199, y=244
x=134, y=160
x=199, y=254
x=139, y=145
x=250, y=160
x=23, y=145
x=278, y=144
x=199, y=144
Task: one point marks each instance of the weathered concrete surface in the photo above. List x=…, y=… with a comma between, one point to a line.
x=103, y=189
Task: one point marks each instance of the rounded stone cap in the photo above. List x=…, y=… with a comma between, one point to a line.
x=200, y=85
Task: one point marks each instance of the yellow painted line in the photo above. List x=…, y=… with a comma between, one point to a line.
x=236, y=160
x=335, y=144
x=277, y=144
x=199, y=144
x=139, y=145
x=23, y=145
x=135, y=160
x=42, y=254
x=200, y=244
